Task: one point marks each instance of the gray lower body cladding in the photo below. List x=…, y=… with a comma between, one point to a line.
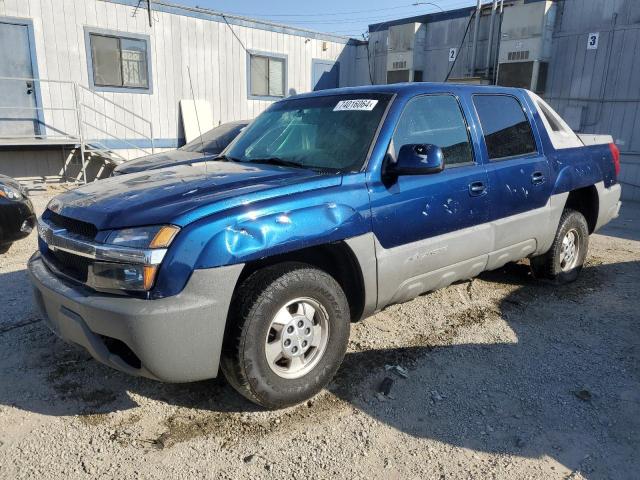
x=176, y=339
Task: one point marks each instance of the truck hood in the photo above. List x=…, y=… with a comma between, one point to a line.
x=183, y=194
x=161, y=160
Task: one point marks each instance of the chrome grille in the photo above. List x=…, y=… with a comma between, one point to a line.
x=71, y=225
x=70, y=265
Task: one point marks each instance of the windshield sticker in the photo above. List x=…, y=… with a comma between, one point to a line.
x=356, y=104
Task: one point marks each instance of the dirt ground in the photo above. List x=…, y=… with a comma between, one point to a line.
x=508, y=378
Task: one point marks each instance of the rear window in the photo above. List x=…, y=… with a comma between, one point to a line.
x=507, y=131
x=551, y=120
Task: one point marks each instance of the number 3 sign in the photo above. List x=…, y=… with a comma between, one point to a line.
x=592, y=41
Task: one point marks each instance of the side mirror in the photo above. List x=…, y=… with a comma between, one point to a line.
x=418, y=159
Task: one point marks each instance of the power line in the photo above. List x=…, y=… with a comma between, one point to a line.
x=377, y=19
x=322, y=14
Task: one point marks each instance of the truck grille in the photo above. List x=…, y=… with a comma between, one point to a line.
x=71, y=225
x=70, y=265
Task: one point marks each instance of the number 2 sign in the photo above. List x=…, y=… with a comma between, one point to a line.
x=453, y=53
x=592, y=41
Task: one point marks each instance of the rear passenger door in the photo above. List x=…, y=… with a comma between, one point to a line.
x=519, y=176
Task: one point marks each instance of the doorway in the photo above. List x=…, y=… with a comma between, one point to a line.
x=325, y=74
x=19, y=117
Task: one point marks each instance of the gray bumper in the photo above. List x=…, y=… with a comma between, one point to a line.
x=176, y=339
x=609, y=207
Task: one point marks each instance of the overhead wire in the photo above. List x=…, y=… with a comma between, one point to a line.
x=325, y=14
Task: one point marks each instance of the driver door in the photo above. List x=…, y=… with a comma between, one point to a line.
x=431, y=229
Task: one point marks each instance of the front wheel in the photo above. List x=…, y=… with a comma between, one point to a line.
x=564, y=260
x=288, y=336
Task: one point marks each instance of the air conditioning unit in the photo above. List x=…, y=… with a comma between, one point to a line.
x=405, y=53
x=525, y=46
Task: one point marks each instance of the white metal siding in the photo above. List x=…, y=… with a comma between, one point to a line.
x=215, y=56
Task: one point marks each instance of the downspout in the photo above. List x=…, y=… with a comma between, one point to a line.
x=487, y=63
x=474, y=48
x=496, y=61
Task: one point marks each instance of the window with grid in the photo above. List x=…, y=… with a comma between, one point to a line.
x=119, y=61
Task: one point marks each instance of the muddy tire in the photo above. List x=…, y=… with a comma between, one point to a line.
x=288, y=334
x=564, y=260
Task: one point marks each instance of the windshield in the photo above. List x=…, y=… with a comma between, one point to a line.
x=332, y=132
x=216, y=140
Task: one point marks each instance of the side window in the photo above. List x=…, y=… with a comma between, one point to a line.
x=267, y=75
x=438, y=120
x=506, y=129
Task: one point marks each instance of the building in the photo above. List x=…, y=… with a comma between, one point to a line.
x=582, y=56
x=117, y=79
x=110, y=76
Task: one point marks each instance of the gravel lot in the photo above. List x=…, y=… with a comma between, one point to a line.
x=507, y=378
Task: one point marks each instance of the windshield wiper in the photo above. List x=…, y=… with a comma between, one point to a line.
x=277, y=161
x=225, y=158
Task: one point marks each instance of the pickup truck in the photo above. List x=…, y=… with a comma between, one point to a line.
x=324, y=210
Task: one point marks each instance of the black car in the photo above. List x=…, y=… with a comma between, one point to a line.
x=17, y=217
x=206, y=147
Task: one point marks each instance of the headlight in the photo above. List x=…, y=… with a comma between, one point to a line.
x=133, y=276
x=9, y=192
x=159, y=236
x=120, y=276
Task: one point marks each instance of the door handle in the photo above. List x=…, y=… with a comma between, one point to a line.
x=477, y=188
x=537, y=178
x=29, y=88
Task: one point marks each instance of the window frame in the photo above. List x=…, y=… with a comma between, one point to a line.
x=269, y=55
x=88, y=31
x=474, y=158
x=537, y=150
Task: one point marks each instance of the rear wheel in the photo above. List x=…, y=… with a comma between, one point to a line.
x=564, y=260
x=288, y=336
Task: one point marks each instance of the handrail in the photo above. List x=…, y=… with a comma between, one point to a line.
x=115, y=121
x=60, y=109
x=113, y=136
x=105, y=150
x=11, y=137
x=46, y=80
x=80, y=102
x=148, y=122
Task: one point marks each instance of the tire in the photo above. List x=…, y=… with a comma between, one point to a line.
x=553, y=265
x=5, y=248
x=285, y=293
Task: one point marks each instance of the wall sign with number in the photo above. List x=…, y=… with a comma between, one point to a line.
x=453, y=53
x=592, y=41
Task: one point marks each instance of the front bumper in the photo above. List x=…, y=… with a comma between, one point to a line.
x=17, y=220
x=175, y=339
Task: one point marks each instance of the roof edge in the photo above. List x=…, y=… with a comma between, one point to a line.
x=239, y=20
x=439, y=16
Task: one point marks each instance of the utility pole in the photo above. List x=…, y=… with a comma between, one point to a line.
x=476, y=27
x=487, y=65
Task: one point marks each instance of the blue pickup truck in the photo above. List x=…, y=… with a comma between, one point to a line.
x=327, y=208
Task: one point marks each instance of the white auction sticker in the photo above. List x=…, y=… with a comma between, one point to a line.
x=356, y=104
